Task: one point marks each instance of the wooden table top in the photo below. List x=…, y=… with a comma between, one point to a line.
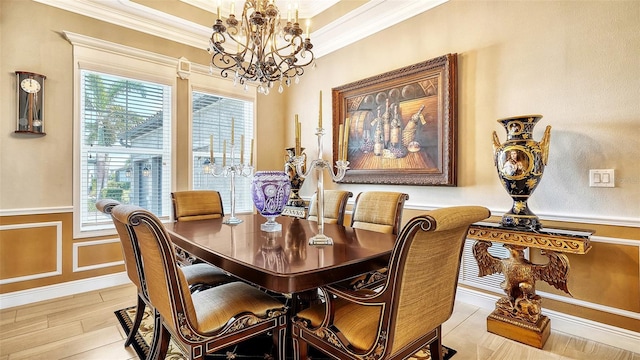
x=283, y=261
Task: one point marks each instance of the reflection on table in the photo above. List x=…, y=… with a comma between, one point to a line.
x=283, y=261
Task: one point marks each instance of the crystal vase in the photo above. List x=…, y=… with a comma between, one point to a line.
x=270, y=192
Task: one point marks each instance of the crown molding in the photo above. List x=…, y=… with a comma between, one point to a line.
x=374, y=16
x=137, y=17
x=307, y=8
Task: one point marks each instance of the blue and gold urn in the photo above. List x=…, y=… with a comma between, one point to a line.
x=520, y=162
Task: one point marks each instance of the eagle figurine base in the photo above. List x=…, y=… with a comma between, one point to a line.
x=518, y=314
x=533, y=334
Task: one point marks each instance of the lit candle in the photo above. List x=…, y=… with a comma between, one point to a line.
x=224, y=153
x=242, y=149
x=232, y=126
x=211, y=158
x=251, y=157
x=308, y=27
x=345, y=142
x=340, y=136
x=320, y=112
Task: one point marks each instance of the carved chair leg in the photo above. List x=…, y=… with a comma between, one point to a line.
x=157, y=333
x=162, y=347
x=435, y=347
x=300, y=349
x=280, y=337
x=136, y=322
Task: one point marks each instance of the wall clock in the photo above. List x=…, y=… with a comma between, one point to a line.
x=30, y=91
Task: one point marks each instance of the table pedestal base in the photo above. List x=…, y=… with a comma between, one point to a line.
x=533, y=334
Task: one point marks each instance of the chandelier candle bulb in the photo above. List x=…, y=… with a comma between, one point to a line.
x=218, y=9
x=232, y=9
x=308, y=27
x=297, y=13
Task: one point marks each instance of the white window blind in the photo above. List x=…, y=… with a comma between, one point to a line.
x=212, y=117
x=125, y=145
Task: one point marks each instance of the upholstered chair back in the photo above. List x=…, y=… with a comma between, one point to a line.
x=129, y=248
x=404, y=314
x=167, y=287
x=425, y=264
x=378, y=211
x=335, y=203
x=196, y=205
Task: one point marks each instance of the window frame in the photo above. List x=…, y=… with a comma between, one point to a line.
x=201, y=81
x=110, y=58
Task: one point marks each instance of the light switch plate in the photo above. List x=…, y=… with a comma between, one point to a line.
x=602, y=178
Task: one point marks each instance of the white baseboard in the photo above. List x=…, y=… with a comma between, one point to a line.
x=569, y=324
x=24, y=297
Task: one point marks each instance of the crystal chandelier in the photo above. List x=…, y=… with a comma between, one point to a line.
x=258, y=48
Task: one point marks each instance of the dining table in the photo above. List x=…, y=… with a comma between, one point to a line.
x=283, y=261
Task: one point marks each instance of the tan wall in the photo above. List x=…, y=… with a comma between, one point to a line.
x=574, y=62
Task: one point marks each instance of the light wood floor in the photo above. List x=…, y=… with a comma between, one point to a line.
x=84, y=327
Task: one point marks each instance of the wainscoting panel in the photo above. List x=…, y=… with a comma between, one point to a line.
x=37, y=250
x=89, y=255
x=34, y=251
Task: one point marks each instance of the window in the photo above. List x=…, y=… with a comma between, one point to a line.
x=213, y=119
x=124, y=145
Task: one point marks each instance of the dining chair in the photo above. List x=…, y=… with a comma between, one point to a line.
x=197, y=275
x=406, y=314
x=379, y=211
x=205, y=321
x=335, y=203
x=192, y=205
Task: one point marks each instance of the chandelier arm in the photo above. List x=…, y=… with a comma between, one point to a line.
x=260, y=54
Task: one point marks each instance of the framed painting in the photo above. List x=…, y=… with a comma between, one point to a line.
x=399, y=127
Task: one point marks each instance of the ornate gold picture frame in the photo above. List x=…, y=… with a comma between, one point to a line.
x=399, y=127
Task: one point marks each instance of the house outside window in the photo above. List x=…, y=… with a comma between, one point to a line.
x=125, y=149
x=213, y=117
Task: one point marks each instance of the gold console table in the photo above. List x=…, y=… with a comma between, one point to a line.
x=517, y=315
